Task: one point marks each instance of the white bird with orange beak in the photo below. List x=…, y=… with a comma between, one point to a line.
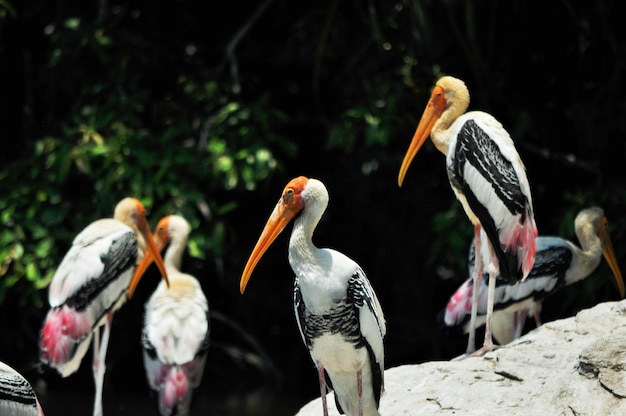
x=175, y=336
x=90, y=284
x=489, y=179
x=338, y=314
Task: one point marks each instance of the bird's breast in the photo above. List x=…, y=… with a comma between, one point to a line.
x=337, y=354
x=341, y=320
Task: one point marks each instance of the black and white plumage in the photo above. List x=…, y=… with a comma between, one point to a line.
x=558, y=263
x=175, y=336
x=489, y=179
x=17, y=397
x=89, y=285
x=338, y=313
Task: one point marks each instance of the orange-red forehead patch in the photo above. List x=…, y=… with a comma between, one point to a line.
x=293, y=189
x=297, y=184
x=163, y=225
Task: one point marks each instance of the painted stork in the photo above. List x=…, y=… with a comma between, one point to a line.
x=17, y=397
x=489, y=179
x=338, y=314
x=90, y=284
x=559, y=263
x=176, y=328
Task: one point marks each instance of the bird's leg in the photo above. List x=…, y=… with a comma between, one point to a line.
x=492, y=269
x=488, y=343
x=95, y=368
x=537, y=317
x=100, y=367
x=477, y=277
x=520, y=321
x=322, y=381
x=359, y=384
x=96, y=349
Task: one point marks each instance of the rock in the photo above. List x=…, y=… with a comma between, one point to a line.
x=574, y=366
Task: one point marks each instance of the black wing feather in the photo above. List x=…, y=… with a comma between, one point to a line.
x=552, y=261
x=342, y=319
x=475, y=147
x=15, y=388
x=121, y=256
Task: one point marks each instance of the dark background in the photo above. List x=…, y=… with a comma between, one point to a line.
x=332, y=90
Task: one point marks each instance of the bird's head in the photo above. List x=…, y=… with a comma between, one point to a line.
x=291, y=202
x=448, y=93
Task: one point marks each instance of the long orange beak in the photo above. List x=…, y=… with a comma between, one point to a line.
x=436, y=106
x=609, y=255
x=282, y=214
x=153, y=253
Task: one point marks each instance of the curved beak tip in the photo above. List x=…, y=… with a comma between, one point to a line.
x=243, y=283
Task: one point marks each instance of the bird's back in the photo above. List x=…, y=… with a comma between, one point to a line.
x=99, y=258
x=175, y=340
x=90, y=282
x=553, y=259
x=489, y=179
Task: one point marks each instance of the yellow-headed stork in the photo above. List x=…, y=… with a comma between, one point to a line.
x=176, y=328
x=489, y=179
x=559, y=263
x=90, y=284
x=338, y=313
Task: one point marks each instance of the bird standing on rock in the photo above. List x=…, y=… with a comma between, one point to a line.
x=338, y=313
x=489, y=179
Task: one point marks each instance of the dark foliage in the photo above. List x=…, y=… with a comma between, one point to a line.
x=207, y=109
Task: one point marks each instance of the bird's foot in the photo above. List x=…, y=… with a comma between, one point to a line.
x=477, y=353
x=484, y=350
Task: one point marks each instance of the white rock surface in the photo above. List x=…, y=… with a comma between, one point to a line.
x=574, y=366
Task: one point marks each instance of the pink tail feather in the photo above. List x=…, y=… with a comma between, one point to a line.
x=175, y=392
x=460, y=304
x=527, y=246
x=521, y=239
x=62, y=331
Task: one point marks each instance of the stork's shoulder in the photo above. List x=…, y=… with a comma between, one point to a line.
x=101, y=229
x=485, y=120
x=478, y=126
x=339, y=263
x=184, y=295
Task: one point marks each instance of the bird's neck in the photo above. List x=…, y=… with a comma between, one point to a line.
x=441, y=134
x=302, y=251
x=141, y=246
x=590, y=255
x=174, y=254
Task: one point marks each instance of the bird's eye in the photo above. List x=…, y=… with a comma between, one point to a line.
x=288, y=195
